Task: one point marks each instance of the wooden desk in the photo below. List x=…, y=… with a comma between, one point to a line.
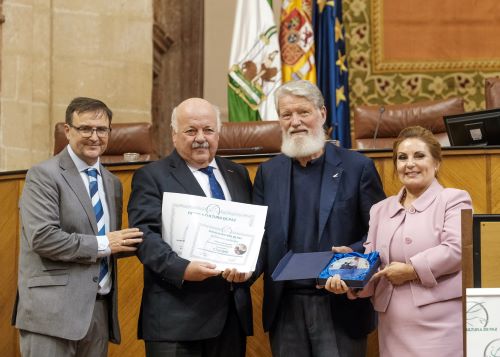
x=474, y=170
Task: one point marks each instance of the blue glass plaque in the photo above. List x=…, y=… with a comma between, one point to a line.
x=354, y=268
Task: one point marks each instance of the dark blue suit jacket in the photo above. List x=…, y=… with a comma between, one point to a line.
x=349, y=187
x=173, y=309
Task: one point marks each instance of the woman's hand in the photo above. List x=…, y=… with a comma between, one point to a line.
x=397, y=273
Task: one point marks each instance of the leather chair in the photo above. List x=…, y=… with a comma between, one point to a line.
x=255, y=137
x=124, y=138
x=492, y=92
x=394, y=118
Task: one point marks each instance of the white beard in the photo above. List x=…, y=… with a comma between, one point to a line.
x=302, y=145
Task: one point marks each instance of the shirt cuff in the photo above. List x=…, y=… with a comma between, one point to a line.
x=103, y=249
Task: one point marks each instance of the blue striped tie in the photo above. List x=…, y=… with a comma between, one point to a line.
x=215, y=187
x=99, y=216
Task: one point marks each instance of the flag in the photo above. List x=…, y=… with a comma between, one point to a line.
x=297, y=41
x=254, y=64
x=331, y=62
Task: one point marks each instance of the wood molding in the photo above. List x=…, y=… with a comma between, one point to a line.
x=161, y=44
x=467, y=267
x=178, y=62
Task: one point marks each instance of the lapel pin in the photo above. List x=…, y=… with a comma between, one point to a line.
x=230, y=170
x=336, y=175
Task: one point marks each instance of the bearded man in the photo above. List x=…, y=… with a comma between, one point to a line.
x=318, y=197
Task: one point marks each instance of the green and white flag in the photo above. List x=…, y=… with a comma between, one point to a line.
x=254, y=64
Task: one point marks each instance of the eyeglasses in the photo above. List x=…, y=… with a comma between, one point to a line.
x=87, y=131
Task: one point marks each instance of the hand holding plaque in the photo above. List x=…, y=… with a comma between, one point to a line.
x=355, y=269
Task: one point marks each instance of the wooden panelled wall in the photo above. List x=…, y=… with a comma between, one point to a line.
x=477, y=171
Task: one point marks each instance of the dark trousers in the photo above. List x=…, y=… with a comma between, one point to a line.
x=231, y=342
x=304, y=327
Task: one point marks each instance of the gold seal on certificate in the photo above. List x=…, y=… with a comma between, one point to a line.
x=240, y=249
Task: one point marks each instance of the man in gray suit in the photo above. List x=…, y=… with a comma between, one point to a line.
x=71, y=210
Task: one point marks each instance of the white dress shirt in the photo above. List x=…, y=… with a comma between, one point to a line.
x=103, y=249
x=202, y=179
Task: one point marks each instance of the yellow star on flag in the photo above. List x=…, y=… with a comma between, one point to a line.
x=338, y=30
x=339, y=95
x=341, y=62
x=323, y=3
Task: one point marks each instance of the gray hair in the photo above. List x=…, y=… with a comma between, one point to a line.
x=300, y=88
x=173, y=119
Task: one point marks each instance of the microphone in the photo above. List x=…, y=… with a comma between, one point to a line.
x=381, y=111
x=237, y=151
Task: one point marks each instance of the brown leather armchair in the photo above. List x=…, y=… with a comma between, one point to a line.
x=256, y=137
x=124, y=137
x=394, y=118
x=492, y=92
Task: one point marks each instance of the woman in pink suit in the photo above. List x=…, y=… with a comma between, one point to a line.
x=417, y=293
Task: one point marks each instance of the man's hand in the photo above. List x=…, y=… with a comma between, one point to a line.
x=198, y=271
x=336, y=285
x=342, y=249
x=234, y=276
x=124, y=240
x=397, y=273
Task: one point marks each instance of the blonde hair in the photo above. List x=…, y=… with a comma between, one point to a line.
x=422, y=134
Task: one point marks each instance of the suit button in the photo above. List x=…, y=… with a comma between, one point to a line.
x=408, y=240
x=95, y=279
x=412, y=210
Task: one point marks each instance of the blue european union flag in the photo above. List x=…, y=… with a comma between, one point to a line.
x=331, y=67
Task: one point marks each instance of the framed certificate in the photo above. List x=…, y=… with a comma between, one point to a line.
x=225, y=233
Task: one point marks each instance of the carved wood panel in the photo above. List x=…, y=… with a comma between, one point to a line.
x=178, y=62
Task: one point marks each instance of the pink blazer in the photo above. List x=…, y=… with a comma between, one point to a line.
x=432, y=243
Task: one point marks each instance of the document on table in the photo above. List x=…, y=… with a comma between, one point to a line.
x=225, y=233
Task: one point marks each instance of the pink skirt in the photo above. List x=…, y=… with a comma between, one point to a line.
x=430, y=330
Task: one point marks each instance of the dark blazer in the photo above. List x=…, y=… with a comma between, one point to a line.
x=349, y=187
x=171, y=309
x=58, y=265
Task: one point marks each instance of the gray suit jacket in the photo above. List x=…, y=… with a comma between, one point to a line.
x=58, y=264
